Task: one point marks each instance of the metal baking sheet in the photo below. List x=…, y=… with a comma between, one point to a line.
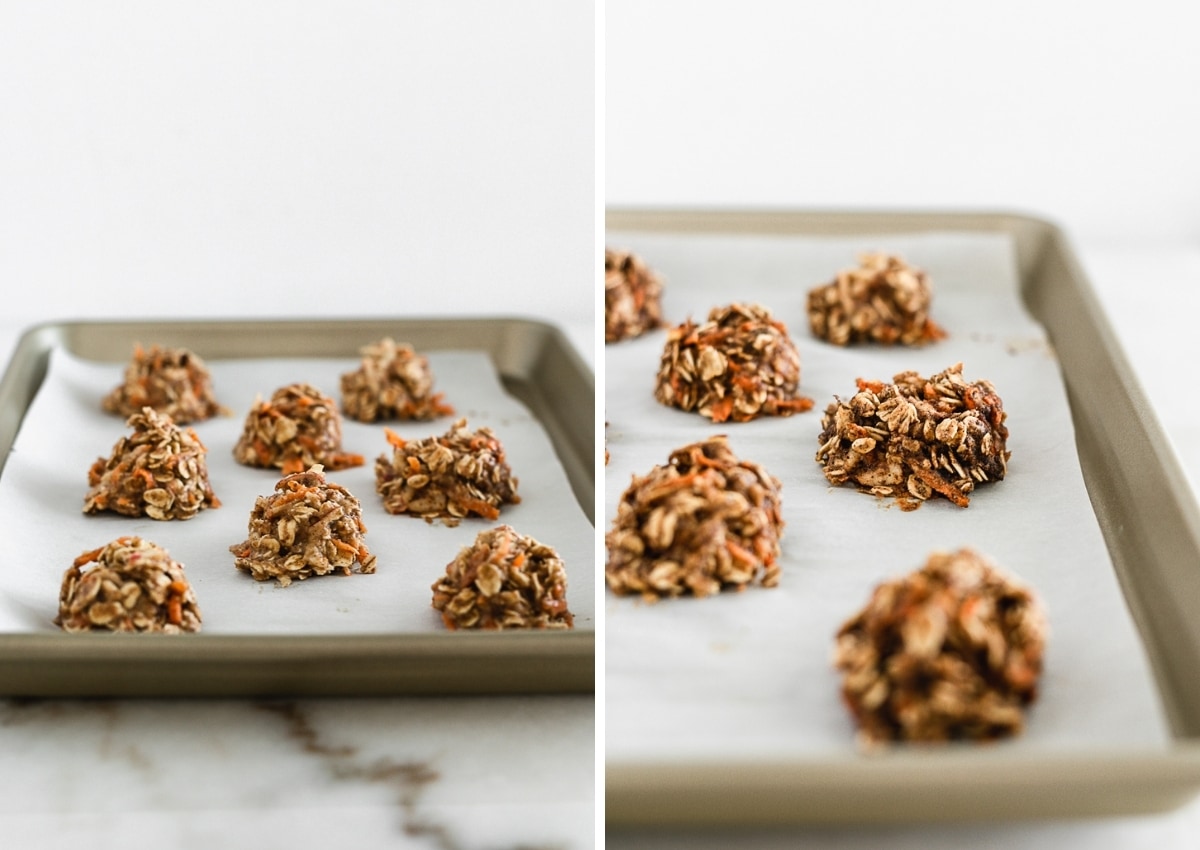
x=1150, y=524
x=535, y=364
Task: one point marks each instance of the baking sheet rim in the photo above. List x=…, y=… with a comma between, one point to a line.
x=649, y=793
x=35, y=664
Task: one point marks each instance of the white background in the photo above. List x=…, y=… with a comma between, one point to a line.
x=1081, y=113
x=297, y=158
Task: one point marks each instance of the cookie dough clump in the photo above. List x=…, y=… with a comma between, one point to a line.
x=504, y=580
x=705, y=522
x=159, y=471
x=298, y=428
x=738, y=365
x=392, y=382
x=917, y=438
x=952, y=651
x=459, y=474
x=884, y=300
x=173, y=381
x=307, y=527
x=632, y=295
x=128, y=585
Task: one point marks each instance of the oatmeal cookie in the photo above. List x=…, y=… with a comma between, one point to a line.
x=705, y=522
x=459, y=474
x=159, y=471
x=504, y=580
x=307, y=527
x=952, y=651
x=884, y=300
x=173, y=381
x=738, y=365
x=632, y=293
x=917, y=438
x=131, y=585
x=300, y=426
x=392, y=382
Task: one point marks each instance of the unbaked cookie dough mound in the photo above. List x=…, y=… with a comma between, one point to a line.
x=738, y=365
x=392, y=382
x=159, y=471
x=297, y=428
x=917, y=438
x=705, y=522
x=174, y=381
x=632, y=296
x=462, y=473
x=952, y=651
x=306, y=527
x=884, y=301
x=504, y=580
x=128, y=585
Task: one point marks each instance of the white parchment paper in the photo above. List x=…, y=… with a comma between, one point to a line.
x=45, y=480
x=749, y=674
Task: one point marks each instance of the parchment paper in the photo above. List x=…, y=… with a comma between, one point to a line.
x=45, y=480
x=749, y=674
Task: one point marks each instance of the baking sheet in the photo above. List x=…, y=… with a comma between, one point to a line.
x=45, y=479
x=746, y=676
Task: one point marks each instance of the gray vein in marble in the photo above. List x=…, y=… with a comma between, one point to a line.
x=407, y=779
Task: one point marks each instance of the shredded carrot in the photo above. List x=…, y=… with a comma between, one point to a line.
x=293, y=465
x=394, y=439
x=483, y=509
x=797, y=405
x=686, y=480
x=88, y=557
x=722, y=408
x=740, y=553
x=295, y=494
x=942, y=486
x=344, y=460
